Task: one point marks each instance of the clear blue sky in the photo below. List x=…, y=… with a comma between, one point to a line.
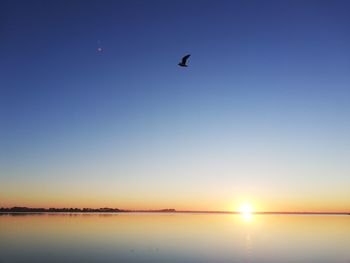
x=261, y=114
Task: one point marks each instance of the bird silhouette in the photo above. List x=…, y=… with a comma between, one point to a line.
x=184, y=61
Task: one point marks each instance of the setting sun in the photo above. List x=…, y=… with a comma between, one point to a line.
x=245, y=208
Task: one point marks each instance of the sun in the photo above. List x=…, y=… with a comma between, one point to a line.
x=246, y=208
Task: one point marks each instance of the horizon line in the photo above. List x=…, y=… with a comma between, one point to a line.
x=22, y=209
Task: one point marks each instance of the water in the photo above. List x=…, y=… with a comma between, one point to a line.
x=134, y=238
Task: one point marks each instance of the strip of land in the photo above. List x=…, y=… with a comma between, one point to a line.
x=16, y=209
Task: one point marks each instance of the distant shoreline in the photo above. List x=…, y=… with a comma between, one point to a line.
x=27, y=210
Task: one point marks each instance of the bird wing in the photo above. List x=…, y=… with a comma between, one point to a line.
x=184, y=59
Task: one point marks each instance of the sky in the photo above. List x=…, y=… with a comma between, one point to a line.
x=95, y=111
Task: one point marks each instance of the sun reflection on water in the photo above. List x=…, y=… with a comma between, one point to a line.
x=247, y=217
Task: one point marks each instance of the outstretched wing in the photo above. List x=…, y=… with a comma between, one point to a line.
x=184, y=59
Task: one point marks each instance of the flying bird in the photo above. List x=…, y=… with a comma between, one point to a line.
x=184, y=61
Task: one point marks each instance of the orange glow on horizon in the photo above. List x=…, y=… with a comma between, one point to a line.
x=48, y=200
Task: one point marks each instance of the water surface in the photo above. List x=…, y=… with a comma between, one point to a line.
x=173, y=238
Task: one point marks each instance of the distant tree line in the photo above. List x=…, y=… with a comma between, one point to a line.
x=18, y=209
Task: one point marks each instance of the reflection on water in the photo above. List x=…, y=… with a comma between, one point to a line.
x=247, y=217
x=174, y=238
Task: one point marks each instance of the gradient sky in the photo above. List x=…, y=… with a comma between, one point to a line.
x=261, y=114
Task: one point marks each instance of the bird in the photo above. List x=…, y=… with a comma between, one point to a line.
x=184, y=60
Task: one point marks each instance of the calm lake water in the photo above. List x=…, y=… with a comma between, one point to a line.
x=174, y=238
